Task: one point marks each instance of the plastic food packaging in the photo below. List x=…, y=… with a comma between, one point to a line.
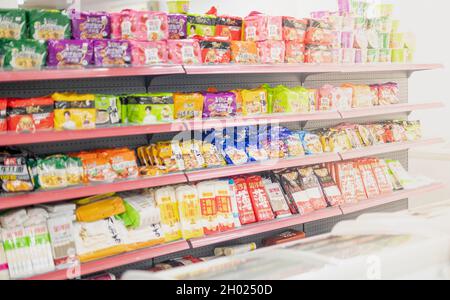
x=170, y=218
x=271, y=52
x=70, y=53
x=388, y=93
x=310, y=184
x=184, y=51
x=108, y=109
x=318, y=33
x=360, y=40
x=244, y=52
x=346, y=181
x=188, y=106
x=324, y=101
x=342, y=98
x=244, y=202
x=295, y=52
x=109, y=53
x=236, y=250
x=362, y=95
x=286, y=100
x=311, y=143
x=219, y=105
x=299, y=201
x=254, y=102
x=399, y=55
x=294, y=29
x=373, y=55
x=100, y=210
x=382, y=178
x=97, y=168
x=13, y=24
x=348, y=56
x=283, y=238
x=48, y=25
x=3, y=124
x=73, y=111
x=369, y=180
x=318, y=55
x=178, y=6
x=361, y=56
x=149, y=109
x=201, y=25
x=224, y=205
x=29, y=115
x=277, y=200
x=215, y=51
x=14, y=173
x=260, y=199
x=229, y=27
x=206, y=193
x=190, y=212
x=152, y=26
x=385, y=55
x=177, y=26
x=23, y=54
x=116, y=25
x=62, y=238
x=347, y=39
x=148, y=53
x=90, y=25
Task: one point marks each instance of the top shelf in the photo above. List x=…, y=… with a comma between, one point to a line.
x=92, y=72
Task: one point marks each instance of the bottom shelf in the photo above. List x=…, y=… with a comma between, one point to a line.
x=245, y=231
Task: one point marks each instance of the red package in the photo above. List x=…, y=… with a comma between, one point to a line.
x=3, y=103
x=30, y=115
x=215, y=51
x=299, y=199
x=229, y=27
x=346, y=181
x=260, y=199
x=368, y=178
x=319, y=33
x=330, y=189
x=310, y=184
x=318, y=55
x=383, y=181
x=271, y=52
x=360, y=188
x=259, y=27
x=244, y=202
x=295, y=52
x=294, y=29
x=148, y=53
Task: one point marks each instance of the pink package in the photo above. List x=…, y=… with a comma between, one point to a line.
x=275, y=28
x=116, y=21
x=152, y=26
x=184, y=52
x=129, y=24
x=259, y=27
x=272, y=52
x=148, y=53
x=347, y=39
x=295, y=52
x=342, y=98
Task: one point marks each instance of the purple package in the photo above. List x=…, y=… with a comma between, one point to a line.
x=112, y=53
x=177, y=26
x=219, y=105
x=69, y=53
x=95, y=25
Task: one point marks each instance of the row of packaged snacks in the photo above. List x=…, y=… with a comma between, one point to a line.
x=106, y=225
x=23, y=172
x=65, y=111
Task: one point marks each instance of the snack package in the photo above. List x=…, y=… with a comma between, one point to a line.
x=383, y=182
x=318, y=55
x=57, y=171
x=244, y=52
x=299, y=202
x=311, y=143
x=413, y=130
x=170, y=155
x=109, y=53
x=219, y=105
x=188, y=106
x=329, y=187
x=184, y=52
x=108, y=110
x=318, y=33
x=206, y=194
x=212, y=156
x=116, y=25
x=325, y=98
x=368, y=178
x=29, y=115
x=272, y=52
x=148, y=53
x=48, y=25
x=73, y=111
x=293, y=144
x=215, y=51
x=260, y=199
x=3, y=123
x=177, y=26
x=170, y=217
x=254, y=102
x=229, y=27
x=342, y=98
x=294, y=29
x=259, y=27
x=201, y=25
x=69, y=53
x=97, y=168
x=100, y=210
x=347, y=182
x=388, y=93
x=123, y=162
x=192, y=155
x=149, y=109
x=244, y=202
x=295, y=52
x=152, y=26
x=14, y=173
x=190, y=212
x=90, y=25
x=362, y=95
x=224, y=205
x=399, y=174
x=286, y=100
x=277, y=200
x=13, y=24
x=310, y=184
x=23, y=54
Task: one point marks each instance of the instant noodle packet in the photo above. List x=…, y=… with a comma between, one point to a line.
x=188, y=106
x=294, y=29
x=3, y=124
x=48, y=25
x=74, y=111
x=70, y=53
x=295, y=52
x=254, y=102
x=148, y=53
x=244, y=52
x=109, y=53
x=13, y=24
x=177, y=26
x=201, y=25
x=215, y=51
x=184, y=52
x=271, y=52
x=229, y=27
x=148, y=109
x=23, y=54
x=30, y=115
x=90, y=25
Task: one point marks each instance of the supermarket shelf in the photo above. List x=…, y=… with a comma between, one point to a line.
x=388, y=148
x=92, y=72
x=11, y=139
x=270, y=165
x=117, y=261
x=40, y=197
x=388, y=109
x=262, y=227
x=385, y=199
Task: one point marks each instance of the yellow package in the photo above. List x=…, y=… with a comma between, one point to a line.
x=212, y=156
x=74, y=111
x=188, y=106
x=93, y=199
x=100, y=210
x=171, y=155
x=170, y=217
x=190, y=212
x=254, y=102
x=192, y=155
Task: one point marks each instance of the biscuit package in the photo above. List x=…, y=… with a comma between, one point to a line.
x=74, y=111
x=49, y=25
x=188, y=106
x=184, y=52
x=23, y=54
x=149, y=109
x=13, y=24
x=148, y=53
x=244, y=52
x=152, y=26
x=177, y=26
x=90, y=25
x=70, y=53
x=201, y=25
x=109, y=53
x=30, y=115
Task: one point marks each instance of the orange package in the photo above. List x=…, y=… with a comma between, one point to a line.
x=244, y=52
x=97, y=168
x=123, y=162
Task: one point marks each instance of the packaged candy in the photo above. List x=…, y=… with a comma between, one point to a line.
x=311, y=143
x=277, y=200
x=342, y=98
x=255, y=28
x=260, y=199
x=324, y=101
x=3, y=124
x=294, y=29
x=388, y=93
x=149, y=109
x=295, y=52
x=90, y=25
x=188, y=106
x=286, y=100
x=318, y=55
x=244, y=52
x=24, y=54
x=219, y=105
x=201, y=25
x=271, y=52
x=109, y=53
x=30, y=115
x=206, y=193
x=184, y=51
x=229, y=27
x=318, y=33
x=148, y=53
x=254, y=102
x=13, y=24
x=299, y=201
x=108, y=109
x=362, y=95
x=70, y=53
x=170, y=216
x=152, y=26
x=73, y=111
x=330, y=189
x=190, y=212
x=123, y=162
x=215, y=51
x=177, y=26
x=14, y=173
x=129, y=24
x=369, y=180
x=224, y=207
x=244, y=202
x=48, y=25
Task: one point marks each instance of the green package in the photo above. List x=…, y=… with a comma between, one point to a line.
x=201, y=25
x=269, y=91
x=24, y=54
x=49, y=25
x=148, y=109
x=109, y=110
x=287, y=100
x=123, y=109
x=13, y=24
